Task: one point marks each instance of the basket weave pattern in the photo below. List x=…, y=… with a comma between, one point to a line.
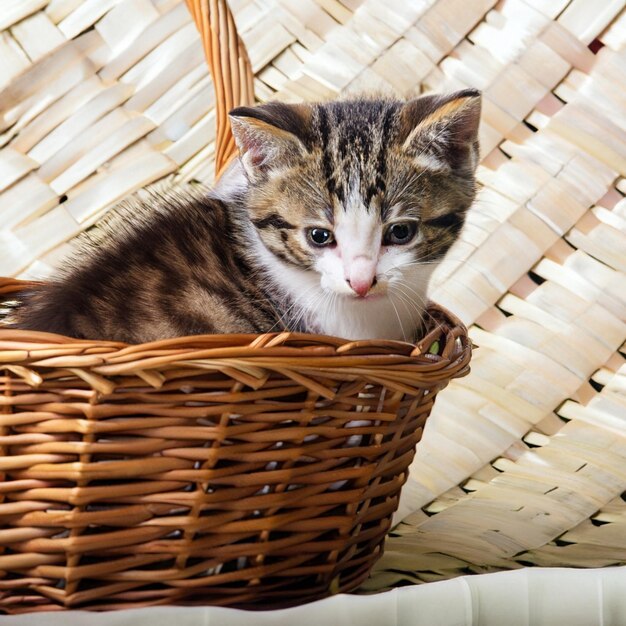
x=233, y=470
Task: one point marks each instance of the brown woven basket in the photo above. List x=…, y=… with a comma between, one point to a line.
x=232, y=470
x=239, y=470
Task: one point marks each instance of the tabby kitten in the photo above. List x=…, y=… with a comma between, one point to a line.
x=330, y=222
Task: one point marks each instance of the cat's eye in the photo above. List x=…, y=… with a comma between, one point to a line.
x=320, y=236
x=399, y=233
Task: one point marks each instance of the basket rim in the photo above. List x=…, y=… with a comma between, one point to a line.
x=282, y=349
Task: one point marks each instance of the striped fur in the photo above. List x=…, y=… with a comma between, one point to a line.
x=240, y=258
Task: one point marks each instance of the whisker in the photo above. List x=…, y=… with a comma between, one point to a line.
x=312, y=306
x=284, y=317
x=422, y=312
x=398, y=316
x=423, y=309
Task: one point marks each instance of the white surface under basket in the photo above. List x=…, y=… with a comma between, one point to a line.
x=527, y=597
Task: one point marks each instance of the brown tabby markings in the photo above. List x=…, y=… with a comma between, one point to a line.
x=181, y=272
x=363, y=140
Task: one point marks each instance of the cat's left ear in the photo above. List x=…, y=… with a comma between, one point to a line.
x=270, y=136
x=443, y=130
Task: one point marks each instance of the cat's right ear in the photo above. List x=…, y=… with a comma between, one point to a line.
x=269, y=136
x=443, y=130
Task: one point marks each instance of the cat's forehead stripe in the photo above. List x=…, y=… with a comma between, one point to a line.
x=324, y=135
x=354, y=138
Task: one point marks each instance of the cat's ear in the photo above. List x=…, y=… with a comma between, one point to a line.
x=442, y=131
x=270, y=136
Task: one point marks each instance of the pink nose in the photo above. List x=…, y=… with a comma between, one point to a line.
x=361, y=286
x=361, y=275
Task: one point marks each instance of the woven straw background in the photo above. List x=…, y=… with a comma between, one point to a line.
x=524, y=461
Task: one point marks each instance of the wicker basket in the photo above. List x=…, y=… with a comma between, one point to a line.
x=250, y=471
x=232, y=470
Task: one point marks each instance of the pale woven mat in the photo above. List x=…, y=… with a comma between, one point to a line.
x=524, y=461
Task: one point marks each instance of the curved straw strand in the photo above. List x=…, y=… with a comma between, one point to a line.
x=230, y=69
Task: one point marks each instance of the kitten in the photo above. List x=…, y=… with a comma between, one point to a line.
x=331, y=222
